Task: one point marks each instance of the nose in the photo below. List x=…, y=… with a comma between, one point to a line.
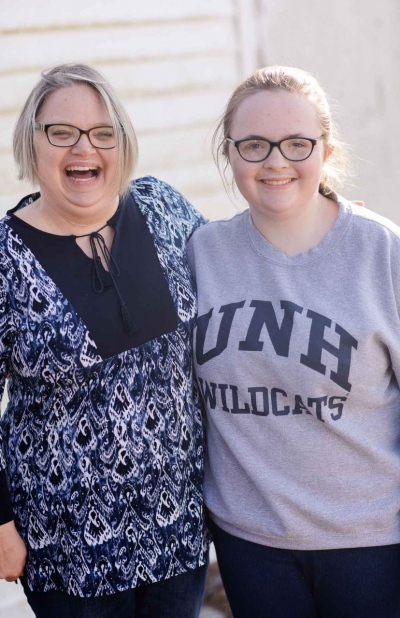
x=83, y=145
x=275, y=159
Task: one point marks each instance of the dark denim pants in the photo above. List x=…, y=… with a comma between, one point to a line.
x=265, y=582
x=177, y=597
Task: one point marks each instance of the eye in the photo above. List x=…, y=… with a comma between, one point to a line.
x=252, y=145
x=103, y=133
x=298, y=144
x=61, y=132
x=254, y=149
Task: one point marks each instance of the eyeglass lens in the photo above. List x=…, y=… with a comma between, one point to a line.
x=63, y=135
x=293, y=149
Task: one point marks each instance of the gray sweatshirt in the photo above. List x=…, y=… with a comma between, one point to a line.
x=298, y=361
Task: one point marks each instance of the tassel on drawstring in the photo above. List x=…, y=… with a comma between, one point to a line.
x=103, y=278
x=129, y=325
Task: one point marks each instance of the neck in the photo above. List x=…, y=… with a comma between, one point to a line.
x=296, y=233
x=78, y=221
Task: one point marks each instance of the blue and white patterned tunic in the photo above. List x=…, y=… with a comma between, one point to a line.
x=104, y=457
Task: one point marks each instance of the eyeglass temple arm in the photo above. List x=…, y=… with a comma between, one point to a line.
x=39, y=125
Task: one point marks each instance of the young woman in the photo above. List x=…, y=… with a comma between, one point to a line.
x=297, y=352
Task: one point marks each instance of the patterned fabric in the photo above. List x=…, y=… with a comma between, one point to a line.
x=104, y=458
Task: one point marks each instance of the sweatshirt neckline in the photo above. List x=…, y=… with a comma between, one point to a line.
x=262, y=246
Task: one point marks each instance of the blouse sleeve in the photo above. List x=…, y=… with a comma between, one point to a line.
x=6, y=513
x=187, y=219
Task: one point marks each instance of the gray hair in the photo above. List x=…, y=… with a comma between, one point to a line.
x=64, y=76
x=336, y=168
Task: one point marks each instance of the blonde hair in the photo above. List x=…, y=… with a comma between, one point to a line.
x=64, y=76
x=297, y=81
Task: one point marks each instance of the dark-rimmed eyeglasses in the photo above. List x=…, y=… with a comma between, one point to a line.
x=293, y=149
x=65, y=135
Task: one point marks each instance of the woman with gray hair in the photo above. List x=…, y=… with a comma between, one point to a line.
x=101, y=442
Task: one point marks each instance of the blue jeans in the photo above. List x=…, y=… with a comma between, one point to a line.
x=177, y=597
x=265, y=582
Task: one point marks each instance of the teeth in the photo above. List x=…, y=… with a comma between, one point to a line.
x=277, y=182
x=78, y=168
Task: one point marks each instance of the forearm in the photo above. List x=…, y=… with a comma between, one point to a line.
x=12, y=552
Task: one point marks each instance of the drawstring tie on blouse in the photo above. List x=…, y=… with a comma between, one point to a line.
x=103, y=278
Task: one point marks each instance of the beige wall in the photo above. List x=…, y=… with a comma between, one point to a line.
x=353, y=48
x=173, y=64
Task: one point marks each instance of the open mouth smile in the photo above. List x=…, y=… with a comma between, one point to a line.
x=277, y=183
x=77, y=172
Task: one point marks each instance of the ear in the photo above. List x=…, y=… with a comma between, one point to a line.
x=328, y=151
x=225, y=150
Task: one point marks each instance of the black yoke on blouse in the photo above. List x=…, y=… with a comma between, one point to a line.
x=141, y=281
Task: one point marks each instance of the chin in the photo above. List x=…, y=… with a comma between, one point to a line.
x=276, y=206
x=86, y=200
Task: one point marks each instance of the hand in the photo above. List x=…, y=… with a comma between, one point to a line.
x=12, y=553
x=358, y=202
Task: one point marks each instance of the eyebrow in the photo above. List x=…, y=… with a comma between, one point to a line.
x=67, y=124
x=293, y=136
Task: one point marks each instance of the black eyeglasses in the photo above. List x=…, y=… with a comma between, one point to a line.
x=65, y=135
x=256, y=150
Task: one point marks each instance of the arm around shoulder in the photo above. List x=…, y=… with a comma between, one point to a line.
x=177, y=207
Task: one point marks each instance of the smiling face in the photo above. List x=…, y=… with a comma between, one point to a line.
x=78, y=180
x=276, y=187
